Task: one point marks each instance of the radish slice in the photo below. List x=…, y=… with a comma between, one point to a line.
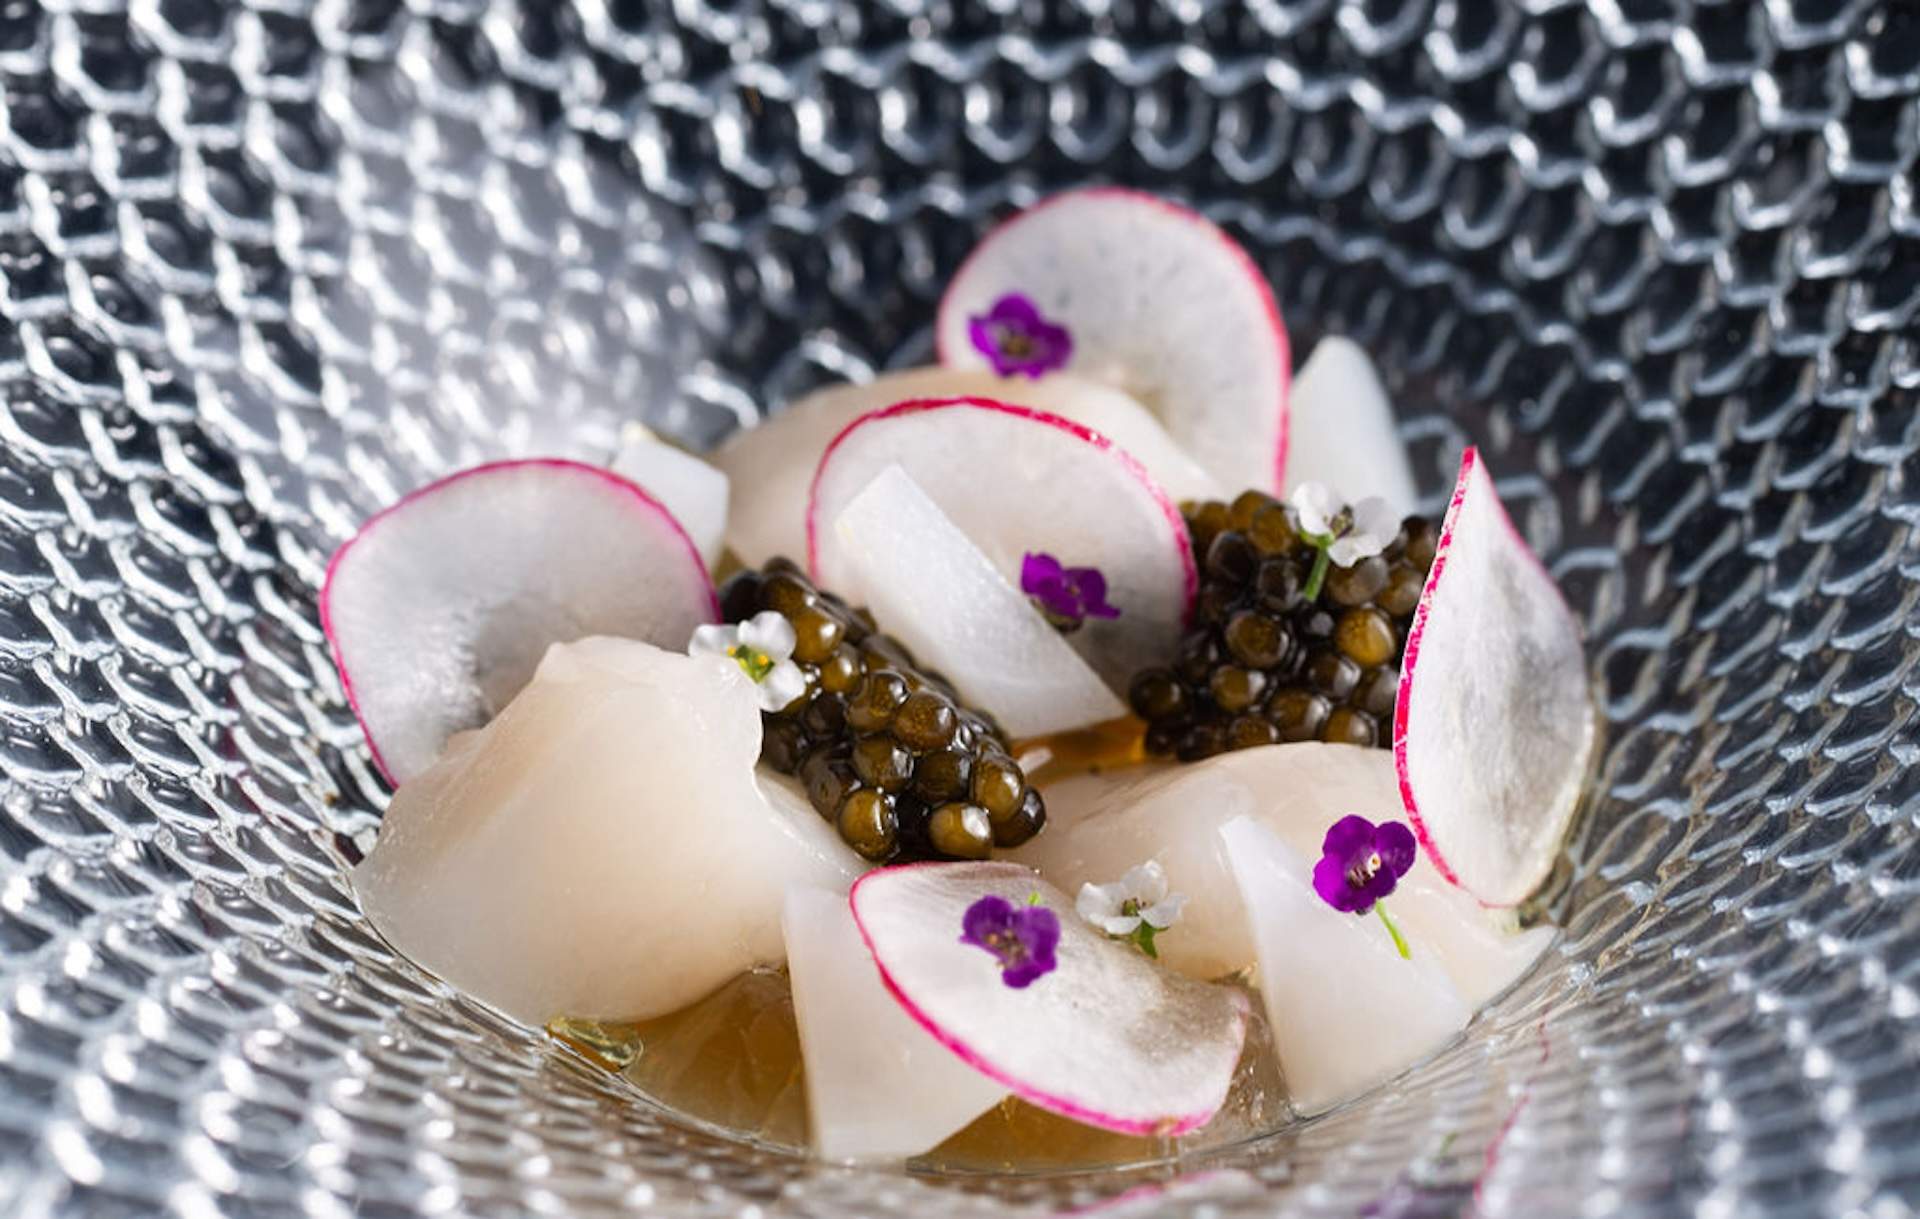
x=1494, y=722
x=1345, y=1011
x=771, y=464
x=1016, y=481
x=1343, y=430
x=439, y=609
x=1157, y=300
x=695, y=492
x=918, y=573
x=878, y=1087
x=1107, y=1038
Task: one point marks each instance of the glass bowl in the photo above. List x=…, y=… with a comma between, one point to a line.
x=266, y=266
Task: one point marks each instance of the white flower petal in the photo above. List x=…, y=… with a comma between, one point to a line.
x=1145, y=883
x=1315, y=506
x=1373, y=518
x=1345, y=552
x=712, y=640
x=1096, y=903
x=770, y=633
x=1119, y=924
x=782, y=684
x=1166, y=912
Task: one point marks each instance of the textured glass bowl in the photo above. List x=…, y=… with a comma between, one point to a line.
x=265, y=266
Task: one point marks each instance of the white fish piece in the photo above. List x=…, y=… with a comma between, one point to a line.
x=604, y=849
x=1098, y=826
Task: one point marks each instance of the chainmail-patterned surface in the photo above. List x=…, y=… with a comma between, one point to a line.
x=264, y=266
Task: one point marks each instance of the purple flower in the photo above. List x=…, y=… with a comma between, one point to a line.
x=1066, y=595
x=1015, y=338
x=1361, y=862
x=1022, y=937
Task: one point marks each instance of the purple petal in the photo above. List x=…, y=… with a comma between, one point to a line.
x=1043, y=346
x=988, y=916
x=1091, y=587
x=1348, y=840
x=1330, y=882
x=1056, y=342
x=1379, y=888
x=1039, y=572
x=1039, y=929
x=1397, y=849
x=981, y=332
x=1017, y=310
x=1021, y=976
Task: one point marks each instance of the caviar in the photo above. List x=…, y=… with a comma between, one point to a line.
x=1261, y=663
x=886, y=751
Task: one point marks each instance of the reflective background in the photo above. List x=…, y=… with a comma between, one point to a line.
x=264, y=266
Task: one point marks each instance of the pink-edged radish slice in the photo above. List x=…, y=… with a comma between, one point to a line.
x=938, y=594
x=1157, y=300
x=1016, y=481
x=1494, y=722
x=1345, y=1010
x=1343, y=430
x=878, y=1086
x=771, y=464
x=1107, y=1037
x=439, y=609
x=691, y=489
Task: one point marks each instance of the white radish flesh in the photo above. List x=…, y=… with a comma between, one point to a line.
x=879, y=1087
x=694, y=491
x=1494, y=723
x=440, y=607
x=1016, y=481
x=1345, y=1010
x=941, y=596
x=1107, y=1038
x=771, y=464
x=1160, y=302
x=1343, y=432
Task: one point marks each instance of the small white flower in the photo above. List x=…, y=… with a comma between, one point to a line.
x=1316, y=508
x=1373, y=527
x=762, y=649
x=1357, y=533
x=1138, y=897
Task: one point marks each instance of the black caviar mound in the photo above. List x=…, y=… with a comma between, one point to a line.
x=887, y=750
x=1262, y=661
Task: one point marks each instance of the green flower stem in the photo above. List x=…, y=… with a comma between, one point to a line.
x=1399, y=941
x=1322, y=559
x=1143, y=938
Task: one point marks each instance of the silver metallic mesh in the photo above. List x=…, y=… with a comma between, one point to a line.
x=265, y=265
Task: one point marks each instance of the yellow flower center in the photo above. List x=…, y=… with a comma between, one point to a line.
x=752, y=661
